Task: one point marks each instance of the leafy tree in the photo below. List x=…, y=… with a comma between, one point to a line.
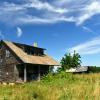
x=66, y=61
x=70, y=61
x=75, y=60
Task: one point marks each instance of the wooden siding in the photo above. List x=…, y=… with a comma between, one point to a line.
x=7, y=65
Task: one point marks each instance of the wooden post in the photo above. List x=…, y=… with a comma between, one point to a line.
x=25, y=73
x=39, y=73
x=49, y=68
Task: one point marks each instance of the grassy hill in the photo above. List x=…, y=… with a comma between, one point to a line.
x=56, y=87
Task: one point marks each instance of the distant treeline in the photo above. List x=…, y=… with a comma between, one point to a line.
x=93, y=69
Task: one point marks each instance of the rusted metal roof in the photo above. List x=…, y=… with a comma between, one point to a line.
x=31, y=59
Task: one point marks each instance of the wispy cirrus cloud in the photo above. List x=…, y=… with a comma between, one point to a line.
x=90, y=10
x=37, y=4
x=19, y=32
x=89, y=47
x=39, y=11
x=89, y=30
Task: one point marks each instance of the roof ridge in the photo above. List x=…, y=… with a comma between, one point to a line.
x=23, y=44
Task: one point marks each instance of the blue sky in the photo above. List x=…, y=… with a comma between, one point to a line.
x=60, y=26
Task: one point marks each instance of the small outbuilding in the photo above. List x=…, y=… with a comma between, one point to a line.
x=79, y=69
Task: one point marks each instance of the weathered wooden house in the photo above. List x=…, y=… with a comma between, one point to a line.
x=21, y=62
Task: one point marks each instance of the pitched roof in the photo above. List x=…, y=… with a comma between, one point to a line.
x=41, y=60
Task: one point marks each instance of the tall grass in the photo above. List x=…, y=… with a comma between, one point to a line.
x=62, y=86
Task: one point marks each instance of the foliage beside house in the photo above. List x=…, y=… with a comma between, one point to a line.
x=70, y=61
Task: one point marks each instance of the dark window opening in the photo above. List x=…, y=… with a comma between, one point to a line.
x=32, y=51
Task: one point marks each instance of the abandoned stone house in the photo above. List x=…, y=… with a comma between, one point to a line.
x=21, y=62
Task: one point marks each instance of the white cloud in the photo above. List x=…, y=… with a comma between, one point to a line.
x=2, y=36
x=19, y=32
x=89, y=47
x=49, y=12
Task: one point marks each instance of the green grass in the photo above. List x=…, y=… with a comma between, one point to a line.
x=56, y=87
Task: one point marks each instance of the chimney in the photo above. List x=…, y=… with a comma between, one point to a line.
x=35, y=44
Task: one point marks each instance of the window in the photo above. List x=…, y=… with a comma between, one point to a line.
x=7, y=53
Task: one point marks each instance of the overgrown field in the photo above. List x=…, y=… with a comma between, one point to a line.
x=56, y=87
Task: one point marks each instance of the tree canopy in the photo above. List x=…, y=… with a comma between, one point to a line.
x=70, y=61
